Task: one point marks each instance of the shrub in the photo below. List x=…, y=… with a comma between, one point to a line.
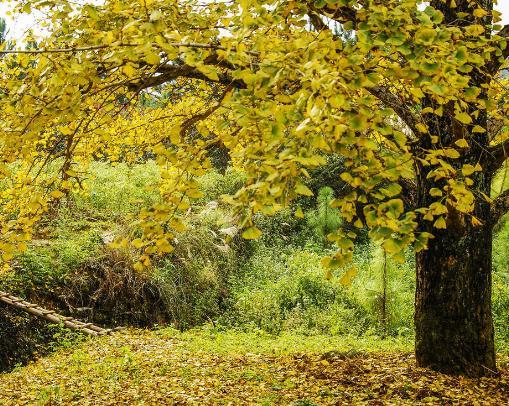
x=214, y=184
x=298, y=298
x=112, y=193
x=283, y=229
x=195, y=281
x=368, y=288
x=22, y=337
x=324, y=219
x=44, y=268
x=501, y=283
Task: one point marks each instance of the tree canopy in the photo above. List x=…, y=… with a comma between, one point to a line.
x=279, y=86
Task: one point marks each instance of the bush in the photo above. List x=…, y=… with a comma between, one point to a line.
x=501, y=284
x=368, y=287
x=214, y=184
x=298, y=298
x=44, y=268
x=112, y=193
x=195, y=281
x=283, y=229
x=22, y=337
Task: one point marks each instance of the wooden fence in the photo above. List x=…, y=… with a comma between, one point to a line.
x=52, y=316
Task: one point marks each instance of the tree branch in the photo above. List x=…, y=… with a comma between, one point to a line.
x=497, y=155
x=391, y=100
x=98, y=47
x=168, y=72
x=340, y=14
x=499, y=207
x=190, y=122
x=317, y=21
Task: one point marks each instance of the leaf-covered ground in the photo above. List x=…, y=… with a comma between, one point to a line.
x=155, y=368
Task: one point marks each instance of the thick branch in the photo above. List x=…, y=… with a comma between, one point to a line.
x=317, y=21
x=340, y=14
x=391, y=100
x=168, y=72
x=500, y=206
x=497, y=156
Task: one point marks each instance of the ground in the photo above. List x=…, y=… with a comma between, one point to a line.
x=138, y=367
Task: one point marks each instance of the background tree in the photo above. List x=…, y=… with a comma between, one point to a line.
x=3, y=30
x=414, y=105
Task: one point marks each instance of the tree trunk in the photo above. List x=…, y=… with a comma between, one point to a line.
x=453, y=318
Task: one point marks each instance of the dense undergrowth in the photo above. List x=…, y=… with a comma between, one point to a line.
x=214, y=277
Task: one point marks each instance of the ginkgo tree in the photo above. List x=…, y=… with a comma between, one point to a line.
x=414, y=102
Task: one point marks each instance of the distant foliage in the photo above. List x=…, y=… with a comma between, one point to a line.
x=324, y=219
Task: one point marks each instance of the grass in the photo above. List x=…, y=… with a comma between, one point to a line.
x=140, y=367
x=238, y=342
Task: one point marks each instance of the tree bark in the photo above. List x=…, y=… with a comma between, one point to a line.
x=453, y=317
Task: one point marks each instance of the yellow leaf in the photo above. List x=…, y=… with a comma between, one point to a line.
x=467, y=170
x=435, y=192
x=462, y=143
x=440, y=223
x=451, y=153
x=252, y=233
x=463, y=117
x=302, y=189
x=210, y=72
x=65, y=130
x=57, y=194
x=137, y=243
x=138, y=266
x=421, y=128
x=475, y=222
x=129, y=70
x=480, y=13
x=346, y=279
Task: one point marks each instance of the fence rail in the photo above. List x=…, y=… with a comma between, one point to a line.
x=53, y=316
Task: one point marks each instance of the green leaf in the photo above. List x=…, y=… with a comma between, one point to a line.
x=425, y=36
x=392, y=246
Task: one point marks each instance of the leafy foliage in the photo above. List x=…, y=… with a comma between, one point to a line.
x=274, y=95
x=324, y=219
